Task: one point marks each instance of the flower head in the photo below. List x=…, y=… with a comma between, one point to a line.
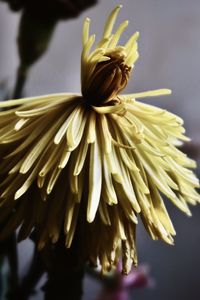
x=97, y=160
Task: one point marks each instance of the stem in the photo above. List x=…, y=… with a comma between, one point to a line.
x=20, y=82
x=65, y=285
x=13, y=260
x=66, y=272
x=29, y=282
x=9, y=249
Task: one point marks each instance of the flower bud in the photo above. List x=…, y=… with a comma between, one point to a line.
x=108, y=79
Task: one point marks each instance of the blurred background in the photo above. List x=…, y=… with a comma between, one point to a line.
x=169, y=47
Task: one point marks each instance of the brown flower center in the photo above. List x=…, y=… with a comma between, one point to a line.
x=109, y=78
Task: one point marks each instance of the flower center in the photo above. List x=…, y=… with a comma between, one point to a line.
x=107, y=80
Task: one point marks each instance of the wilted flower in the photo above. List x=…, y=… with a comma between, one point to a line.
x=99, y=159
x=61, y=9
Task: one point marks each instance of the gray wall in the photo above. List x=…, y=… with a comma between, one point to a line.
x=169, y=57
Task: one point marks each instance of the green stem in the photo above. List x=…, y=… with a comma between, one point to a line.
x=65, y=274
x=9, y=250
x=67, y=285
x=29, y=282
x=20, y=82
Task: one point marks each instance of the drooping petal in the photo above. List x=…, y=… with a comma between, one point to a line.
x=95, y=180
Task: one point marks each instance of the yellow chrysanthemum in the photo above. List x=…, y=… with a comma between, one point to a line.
x=99, y=159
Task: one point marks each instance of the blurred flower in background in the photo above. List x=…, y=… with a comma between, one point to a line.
x=55, y=9
x=119, y=286
x=37, y=24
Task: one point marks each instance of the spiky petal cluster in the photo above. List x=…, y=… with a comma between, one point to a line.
x=96, y=161
x=105, y=70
